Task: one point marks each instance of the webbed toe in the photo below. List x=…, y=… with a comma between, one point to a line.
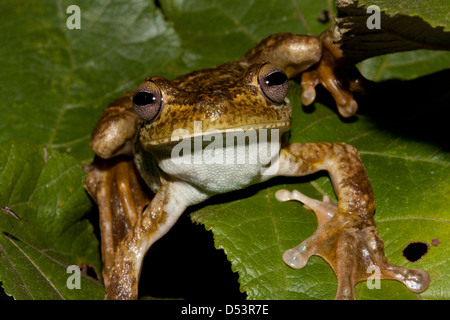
x=351, y=245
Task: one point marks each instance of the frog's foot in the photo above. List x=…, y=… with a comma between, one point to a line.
x=350, y=244
x=324, y=210
x=115, y=186
x=338, y=76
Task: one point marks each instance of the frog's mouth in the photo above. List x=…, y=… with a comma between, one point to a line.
x=249, y=130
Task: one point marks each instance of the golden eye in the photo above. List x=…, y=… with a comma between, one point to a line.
x=273, y=83
x=147, y=101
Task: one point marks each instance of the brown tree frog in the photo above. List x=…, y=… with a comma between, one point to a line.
x=142, y=186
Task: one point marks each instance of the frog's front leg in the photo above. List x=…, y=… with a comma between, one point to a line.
x=346, y=236
x=157, y=219
x=336, y=74
x=121, y=197
x=318, y=60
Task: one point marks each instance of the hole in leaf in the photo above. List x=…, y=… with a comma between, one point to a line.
x=89, y=271
x=415, y=250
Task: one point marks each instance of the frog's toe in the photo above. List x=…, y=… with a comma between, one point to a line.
x=324, y=210
x=309, y=80
x=298, y=257
x=348, y=108
x=337, y=75
x=308, y=94
x=351, y=245
x=337, y=86
x=360, y=257
x=416, y=280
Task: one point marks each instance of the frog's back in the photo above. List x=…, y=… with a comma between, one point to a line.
x=211, y=79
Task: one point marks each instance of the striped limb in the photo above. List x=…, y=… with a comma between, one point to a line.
x=346, y=236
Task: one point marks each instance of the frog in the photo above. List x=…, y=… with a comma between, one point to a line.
x=145, y=175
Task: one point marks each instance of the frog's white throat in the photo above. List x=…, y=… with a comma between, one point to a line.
x=222, y=161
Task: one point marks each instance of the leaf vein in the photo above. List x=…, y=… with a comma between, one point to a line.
x=38, y=269
x=403, y=157
x=284, y=286
x=24, y=285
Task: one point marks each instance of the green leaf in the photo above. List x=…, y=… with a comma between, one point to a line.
x=436, y=15
x=214, y=32
x=404, y=65
x=56, y=81
x=45, y=190
x=395, y=26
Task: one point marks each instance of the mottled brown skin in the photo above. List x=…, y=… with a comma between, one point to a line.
x=219, y=103
x=230, y=97
x=346, y=236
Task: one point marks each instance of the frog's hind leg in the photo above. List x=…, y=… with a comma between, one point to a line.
x=121, y=197
x=354, y=252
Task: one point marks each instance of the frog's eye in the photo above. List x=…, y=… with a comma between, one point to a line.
x=273, y=83
x=147, y=101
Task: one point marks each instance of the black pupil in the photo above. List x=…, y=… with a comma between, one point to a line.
x=143, y=98
x=276, y=79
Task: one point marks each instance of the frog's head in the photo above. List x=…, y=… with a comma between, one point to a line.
x=237, y=98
